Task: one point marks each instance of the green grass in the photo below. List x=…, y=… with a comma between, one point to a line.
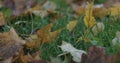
x=30, y=24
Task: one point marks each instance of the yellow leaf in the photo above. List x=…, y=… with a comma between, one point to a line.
x=89, y=20
x=115, y=10
x=2, y=20
x=45, y=35
x=71, y=25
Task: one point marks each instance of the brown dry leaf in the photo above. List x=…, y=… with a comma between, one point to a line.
x=10, y=43
x=33, y=41
x=45, y=35
x=34, y=58
x=96, y=54
x=71, y=25
x=19, y=6
x=9, y=60
x=2, y=20
x=37, y=10
x=100, y=12
x=110, y=3
x=80, y=10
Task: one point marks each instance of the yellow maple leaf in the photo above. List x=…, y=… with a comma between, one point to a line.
x=71, y=25
x=89, y=20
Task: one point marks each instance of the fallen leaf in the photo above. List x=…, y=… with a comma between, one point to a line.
x=89, y=20
x=99, y=27
x=19, y=6
x=9, y=60
x=114, y=11
x=10, y=43
x=2, y=20
x=45, y=35
x=96, y=54
x=33, y=41
x=71, y=25
x=100, y=12
x=80, y=10
x=34, y=58
x=49, y=5
x=75, y=53
x=41, y=13
x=116, y=40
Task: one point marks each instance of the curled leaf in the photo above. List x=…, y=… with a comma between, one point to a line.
x=89, y=20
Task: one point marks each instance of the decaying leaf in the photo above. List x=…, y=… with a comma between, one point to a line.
x=89, y=20
x=99, y=27
x=71, y=25
x=96, y=54
x=75, y=53
x=2, y=20
x=10, y=43
x=45, y=35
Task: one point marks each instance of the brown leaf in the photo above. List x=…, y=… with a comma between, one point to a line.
x=100, y=12
x=33, y=41
x=10, y=43
x=80, y=10
x=9, y=60
x=45, y=35
x=19, y=6
x=2, y=20
x=34, y=58
x=96, y=54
